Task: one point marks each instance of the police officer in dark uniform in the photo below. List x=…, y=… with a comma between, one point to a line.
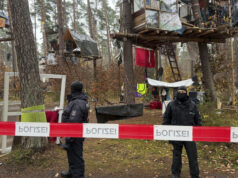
x=75, y=112
x=182, y=111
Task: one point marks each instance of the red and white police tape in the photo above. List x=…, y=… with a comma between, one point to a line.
x=120, y=131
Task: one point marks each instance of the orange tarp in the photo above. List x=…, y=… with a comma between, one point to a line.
x=2, y=23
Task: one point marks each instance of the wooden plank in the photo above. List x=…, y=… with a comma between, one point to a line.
x=138, y=23
x=140, y=27
x=138, y=13
x=187, y=24
x=195, y=32
x=218, y=34
x=163, y=32
x=151, y=8
x=139, y=18
x=144, y=31
x=6, y=39
x=207, y=32
x=161, y=39
x=188, y=32
x=173, y=33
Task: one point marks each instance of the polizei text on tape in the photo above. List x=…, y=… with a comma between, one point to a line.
x=234, y=134
x=176, y=133
x=100, y=130
x=32, y=129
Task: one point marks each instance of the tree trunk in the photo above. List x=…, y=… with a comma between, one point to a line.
x=94, y=21
x=74, y=18
x=121, y=18
x=61, y=28
x=44, y=28
x=232, y=60
x=64, y=15
x=128, y=57
x=197, y=12
x=108, y=32
x=91, y=30
x=28, y=66
x=204, y=56
x=90, y=20
x=236, y=61
x=35, y=21
x=206, y=70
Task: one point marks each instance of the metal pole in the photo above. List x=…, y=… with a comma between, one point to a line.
x=5, y=109
x=62, y=94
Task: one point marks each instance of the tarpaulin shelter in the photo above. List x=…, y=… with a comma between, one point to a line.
x=83, y=43
x=157, y=83
x=118, y=112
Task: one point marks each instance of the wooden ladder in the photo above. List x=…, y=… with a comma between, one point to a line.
x=169, y=50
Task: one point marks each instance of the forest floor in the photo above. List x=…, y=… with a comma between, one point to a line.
x=112, y=158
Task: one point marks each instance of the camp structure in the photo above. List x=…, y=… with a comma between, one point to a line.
x=82, y=45
x=157, y=22
x=76, y=45
x=4, y=21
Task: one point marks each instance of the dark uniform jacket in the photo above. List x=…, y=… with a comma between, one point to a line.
x=182, y=113
x=77, y=109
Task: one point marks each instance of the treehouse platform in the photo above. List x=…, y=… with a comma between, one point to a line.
x=152, y=37
x=156, y=22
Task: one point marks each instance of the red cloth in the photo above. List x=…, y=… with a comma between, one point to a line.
x=52, y=117
x=155, y=105
x=144, y=58
x=203, y=3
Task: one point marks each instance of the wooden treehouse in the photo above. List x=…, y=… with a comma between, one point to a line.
x=160, y=23
x=76, y=45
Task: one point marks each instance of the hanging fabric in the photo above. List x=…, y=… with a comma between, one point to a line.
x=141, y=88
x=144, y=58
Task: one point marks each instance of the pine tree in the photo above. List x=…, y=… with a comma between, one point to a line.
x=27, y=64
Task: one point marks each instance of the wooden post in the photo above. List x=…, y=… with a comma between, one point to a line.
x=159, y=60
x=192, y=72
x=94, y=68
x=232, y=60
x=156, y=64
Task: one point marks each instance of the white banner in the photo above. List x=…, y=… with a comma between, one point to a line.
x=175, y=133
x=158, y=83
x=32, y=129
x=234, y=134
x=100, y=130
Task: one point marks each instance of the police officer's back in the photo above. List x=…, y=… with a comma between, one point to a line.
x=75, y=112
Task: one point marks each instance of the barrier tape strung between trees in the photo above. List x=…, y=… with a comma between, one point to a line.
x=120, y=131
